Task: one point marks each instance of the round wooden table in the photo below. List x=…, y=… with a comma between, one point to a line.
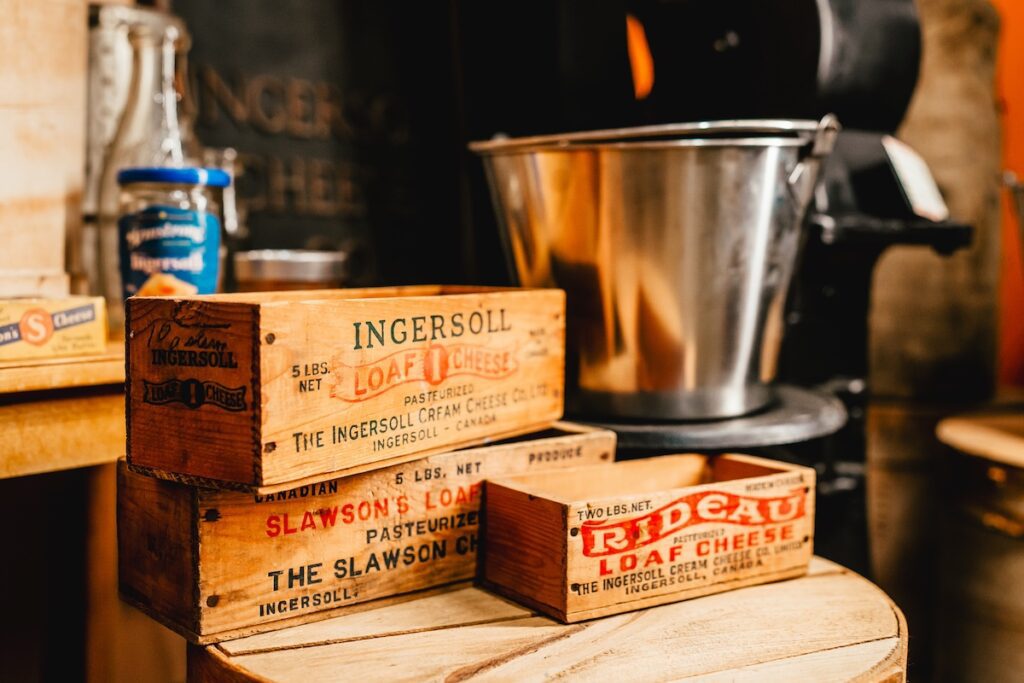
x=831, y=625
x=980, y=626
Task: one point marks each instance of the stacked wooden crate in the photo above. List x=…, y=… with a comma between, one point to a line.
x=293, y=454
x=290, y=455
x=42, y=142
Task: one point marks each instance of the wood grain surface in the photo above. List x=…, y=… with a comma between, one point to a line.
x=43, y=49
x=830, y=625
x=46, y=431
x=261, y=391
x=219, y=564
x=996, y=436
x=41, y=283
x=64, y=373
x=617, y=537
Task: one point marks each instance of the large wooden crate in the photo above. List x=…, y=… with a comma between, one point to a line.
x=263, y=391
x=216, y=564
x=613, y=538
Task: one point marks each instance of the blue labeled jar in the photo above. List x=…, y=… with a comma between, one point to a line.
x=169, y=230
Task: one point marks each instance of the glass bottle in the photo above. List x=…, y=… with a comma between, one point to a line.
x=149, y=134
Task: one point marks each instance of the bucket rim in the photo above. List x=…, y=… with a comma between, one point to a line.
x=643, y=145
x=749, y=132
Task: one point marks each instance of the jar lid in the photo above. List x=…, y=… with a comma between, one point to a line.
x=188, y=175
x=292, y=265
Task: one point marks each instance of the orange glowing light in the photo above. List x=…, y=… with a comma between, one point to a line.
x=641, y=62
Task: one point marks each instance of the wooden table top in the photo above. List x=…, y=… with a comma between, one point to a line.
x=831, y=625
x=997, y=434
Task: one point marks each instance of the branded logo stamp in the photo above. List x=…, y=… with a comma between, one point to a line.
x=433, y=365
x=193, y=393
x=609, y=538
x=37, y=325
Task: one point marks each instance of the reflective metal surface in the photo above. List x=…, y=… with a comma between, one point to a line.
x=675, y=246
x=666, y=135
x=293, y=266
x=796, y=415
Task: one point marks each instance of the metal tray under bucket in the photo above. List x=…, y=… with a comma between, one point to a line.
x=675, y=245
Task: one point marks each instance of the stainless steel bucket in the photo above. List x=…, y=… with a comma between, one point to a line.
x=675, y=245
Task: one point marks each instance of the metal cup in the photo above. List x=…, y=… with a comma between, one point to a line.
x=675, y=245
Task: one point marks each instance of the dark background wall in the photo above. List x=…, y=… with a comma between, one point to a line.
x=352, y=118
x=344, y=118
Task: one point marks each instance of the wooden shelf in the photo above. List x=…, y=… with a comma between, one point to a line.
x=64, y=373
x=46, y=432
x=829, y=625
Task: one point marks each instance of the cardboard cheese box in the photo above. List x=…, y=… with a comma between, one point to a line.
x=32, y=329
x=214, y=565
x=618, y=537
x=262, y=391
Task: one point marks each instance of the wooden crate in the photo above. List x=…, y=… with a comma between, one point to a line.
x=613, y=538
x=42, y=141
x=34, y=283
x=217, y=564
x=264, y=391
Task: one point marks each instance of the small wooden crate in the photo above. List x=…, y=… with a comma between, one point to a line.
x=612, y=538
x=39, y=329
x=218, y=564
x=265, y=391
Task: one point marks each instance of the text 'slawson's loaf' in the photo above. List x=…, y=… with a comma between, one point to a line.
x=262, y=391
x=214, y=563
